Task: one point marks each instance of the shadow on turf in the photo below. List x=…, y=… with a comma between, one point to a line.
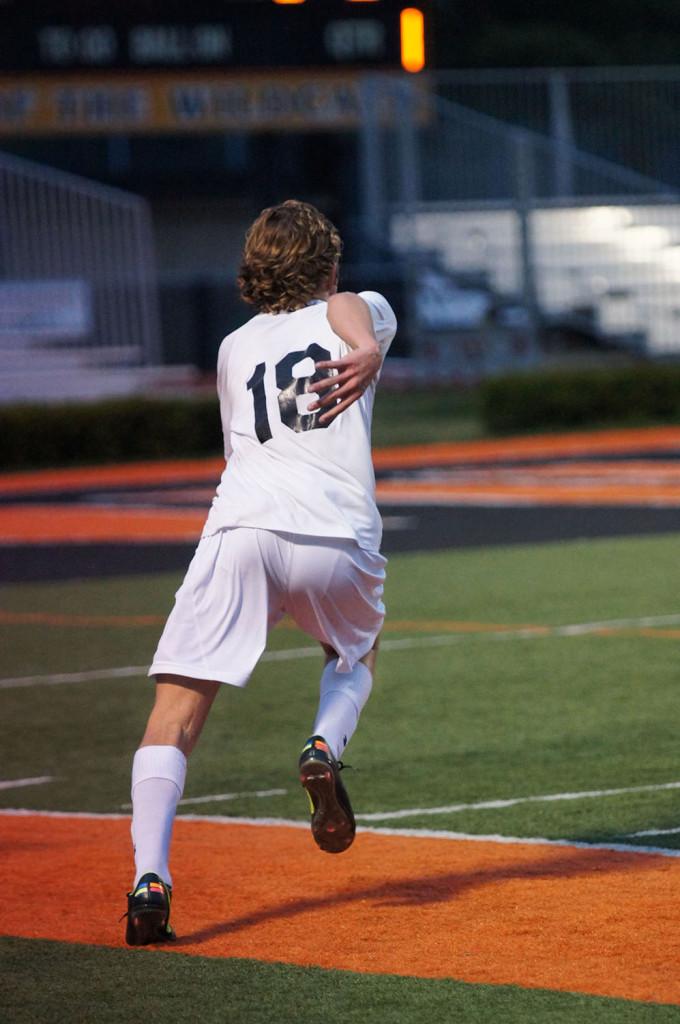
x=430, y=889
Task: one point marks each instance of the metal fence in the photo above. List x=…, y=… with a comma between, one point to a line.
x=517, y=243
x=78, y=286
x=417, y=146
x=629, y=116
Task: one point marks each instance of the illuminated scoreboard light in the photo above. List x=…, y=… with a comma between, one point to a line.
x=89, y=35
x=120, y=66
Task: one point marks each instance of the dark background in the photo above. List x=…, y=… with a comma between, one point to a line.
x=220, y=182
x=542, y=33
x=466, y=33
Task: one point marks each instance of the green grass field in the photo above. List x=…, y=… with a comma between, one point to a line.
x=421, y=417
x=455, y=718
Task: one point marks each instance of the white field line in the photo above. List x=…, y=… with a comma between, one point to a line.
x=39, y=780
x=219, y=797
x=74, y=677
x=480, y=805
x=407, y=833
x=129, y=671
x=487, y=805
x=258, y=794
x=652, y=832
x=582, y=628
x=407, y=643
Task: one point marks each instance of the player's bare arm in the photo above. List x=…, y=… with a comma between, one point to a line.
x=350, y=318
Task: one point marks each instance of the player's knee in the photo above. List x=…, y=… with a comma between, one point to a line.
x=329, y=652
x=369, y=658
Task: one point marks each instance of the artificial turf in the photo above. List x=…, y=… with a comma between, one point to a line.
x=58, y=983
x=487, y=716
x=479, y=717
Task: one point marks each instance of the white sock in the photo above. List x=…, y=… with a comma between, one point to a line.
x=341, y=701
x=158, y=775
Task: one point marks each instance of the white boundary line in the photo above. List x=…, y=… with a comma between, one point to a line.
x=219, y=797
x=74, y=677
x=258, y=793
x=406, y=833
x=479, y=805
x=652, y=832
x=484, y=805
x=39, y=780
x=407, y=643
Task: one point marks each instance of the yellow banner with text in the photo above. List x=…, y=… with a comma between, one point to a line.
x=187, y=102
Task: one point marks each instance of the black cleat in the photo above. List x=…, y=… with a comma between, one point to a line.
x=333, y=825
x=148, y=912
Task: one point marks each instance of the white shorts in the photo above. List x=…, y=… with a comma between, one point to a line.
x=241, y=582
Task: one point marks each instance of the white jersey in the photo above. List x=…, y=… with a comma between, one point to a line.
x=286, y=472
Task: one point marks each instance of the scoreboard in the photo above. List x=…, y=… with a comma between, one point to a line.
x=146, y=66
x=71, y=35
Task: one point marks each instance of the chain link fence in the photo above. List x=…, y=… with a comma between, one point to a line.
x=629, y=116
x=78, y=292
x=517, y=246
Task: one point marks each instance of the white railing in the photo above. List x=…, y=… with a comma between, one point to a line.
x=78, y=289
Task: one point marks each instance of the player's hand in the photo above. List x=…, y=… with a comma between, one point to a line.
x=355, y=372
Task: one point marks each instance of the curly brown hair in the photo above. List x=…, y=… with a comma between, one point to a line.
x=289, y=253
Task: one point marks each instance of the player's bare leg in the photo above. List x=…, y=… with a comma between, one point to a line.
x=159, y=769
x=179, y=712
x=158, y=773
x=342, y=698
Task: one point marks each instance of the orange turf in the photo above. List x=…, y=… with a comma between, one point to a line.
x=80, y=524
x=539, y=447
x=471, y=472
x=562, y=918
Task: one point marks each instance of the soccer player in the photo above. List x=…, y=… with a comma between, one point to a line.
x=293, y=529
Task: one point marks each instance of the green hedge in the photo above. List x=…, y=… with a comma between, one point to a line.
x=135, y=428
x=575, y=398
x=139, y=428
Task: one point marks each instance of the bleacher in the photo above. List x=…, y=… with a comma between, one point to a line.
x=617, y=264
